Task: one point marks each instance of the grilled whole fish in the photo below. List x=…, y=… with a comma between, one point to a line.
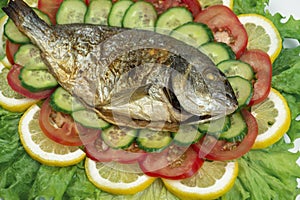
x=134, y=78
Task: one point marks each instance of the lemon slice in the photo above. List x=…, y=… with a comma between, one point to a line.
x=119, y=179
x=32, y=3
x=206, y=3
x=273, y=118
x=211, y=181
x=40, y=147
x=9, y=99
x=262, y=34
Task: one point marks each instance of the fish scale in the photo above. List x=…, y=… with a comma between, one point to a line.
x=130, y=77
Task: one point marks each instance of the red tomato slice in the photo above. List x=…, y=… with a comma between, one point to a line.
x=62, y=129
x=185, y=162
x=50, y=7
x=262, y=66
x=161, y=6
x=213, y=149
x=11, y=49
x=101, y=152
x=226, y=27
x=15, y=83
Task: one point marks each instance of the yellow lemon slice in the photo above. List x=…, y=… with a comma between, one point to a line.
x=117, y=178
x=211, y=181
x=40, y=147
x=9, y=99
x=273, y=117
x=262, y=34
x=206, y=3
x=32, y=3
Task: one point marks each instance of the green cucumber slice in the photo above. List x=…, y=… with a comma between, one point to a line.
x=117, y=137
x=62, y=101
x=90, y=119
x=236, y=68
x=71, y=11
x=243, y=90
x=172, y=18
x=192, y=33
x=217, y=51
x=153, y=141
x=117, y=12
x=36, y=80
x=97, y=12
x=141, y=15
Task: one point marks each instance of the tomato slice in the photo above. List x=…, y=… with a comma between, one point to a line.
x=161, y=6
x=101, y=152
x=15, y=83
x=211, y=148
x=173, y=163
x=262, y=66
x=62, y=129
x=50, y=8
x=226, y=27
x=11, y=49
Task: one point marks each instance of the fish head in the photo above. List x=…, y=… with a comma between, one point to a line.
x=203, y=91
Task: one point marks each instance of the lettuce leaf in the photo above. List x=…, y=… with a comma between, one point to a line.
x=289, y=29
x=267, y=174
x=287, y=81
x=294, y=104
x=250, y=6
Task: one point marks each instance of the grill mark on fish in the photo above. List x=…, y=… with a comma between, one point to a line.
x=130, y=77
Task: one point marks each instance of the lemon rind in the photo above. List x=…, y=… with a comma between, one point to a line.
x=222, y=185
x=36, y=152
x=281, y=125
x=269, y=28
x=120, y=188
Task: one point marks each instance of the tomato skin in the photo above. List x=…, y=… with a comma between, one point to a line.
x=211, y=148
x=161, y=6
x=97, y=150
x=70, y=133
x=50, y=7
x=11, y=49
x=222, y=20
x=262, y=67
x=157, y=165
x=15, y=83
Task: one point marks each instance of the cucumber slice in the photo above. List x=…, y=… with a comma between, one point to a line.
x=97, y=12
x=140, y=15
x=192, y=33
x=89, y=119
x=71, y=11
x=236, y=68
x=62, y=101
x=187, y=135
x=172, y=18
x=237, y=130
x=36, y=80
x=153, y=141
x=16, y=36
x=217, y=51
x=29, y=56
x=243, y=90
x=117, y=12
x=117, y=138
x=215, y=126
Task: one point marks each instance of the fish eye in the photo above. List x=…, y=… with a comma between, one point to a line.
x=210, y=76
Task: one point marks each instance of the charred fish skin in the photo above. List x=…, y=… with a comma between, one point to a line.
x=135, y=78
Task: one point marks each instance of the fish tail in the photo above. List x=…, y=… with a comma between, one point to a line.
x=26, y=19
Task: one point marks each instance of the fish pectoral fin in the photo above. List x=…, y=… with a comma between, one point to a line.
x=172, y=98
x=140, y=92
